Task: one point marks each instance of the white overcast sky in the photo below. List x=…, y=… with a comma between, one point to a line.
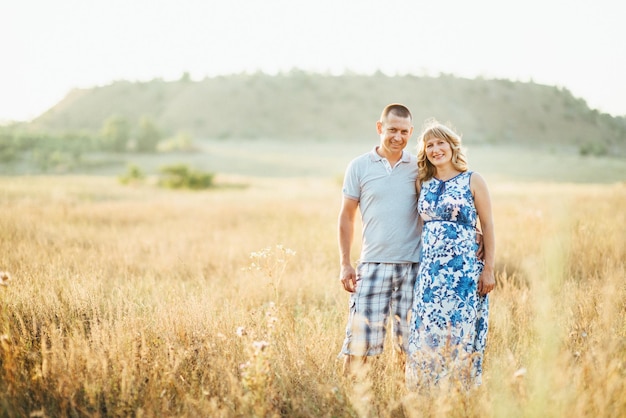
x=48, y=47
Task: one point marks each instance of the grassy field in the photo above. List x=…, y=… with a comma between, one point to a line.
x=139, y=301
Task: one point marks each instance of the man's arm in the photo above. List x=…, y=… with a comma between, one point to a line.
x=347, y=216
x=480, y=252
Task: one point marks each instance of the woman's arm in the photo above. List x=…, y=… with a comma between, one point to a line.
x=482, y=200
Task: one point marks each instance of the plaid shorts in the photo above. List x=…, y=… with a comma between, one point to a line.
x=382, y=289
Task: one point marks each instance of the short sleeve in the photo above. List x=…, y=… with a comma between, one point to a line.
x=351, y=184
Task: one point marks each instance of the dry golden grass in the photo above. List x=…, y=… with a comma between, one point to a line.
x=144, y=302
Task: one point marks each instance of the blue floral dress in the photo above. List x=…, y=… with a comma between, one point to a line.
x=449, y=318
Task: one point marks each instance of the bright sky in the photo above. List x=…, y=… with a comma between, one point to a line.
x=49, y=47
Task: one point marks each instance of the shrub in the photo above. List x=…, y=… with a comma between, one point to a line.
x=180, y=176
x=181, y=142
x=593, y=148
x=133, y=174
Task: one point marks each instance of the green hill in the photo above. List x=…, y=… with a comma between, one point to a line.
x=304, y=106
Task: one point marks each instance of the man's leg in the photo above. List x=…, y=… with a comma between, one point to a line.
x=404, y=279
x=369, y=310
x=353, y=365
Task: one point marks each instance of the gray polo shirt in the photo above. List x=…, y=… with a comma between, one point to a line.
x=388, y=204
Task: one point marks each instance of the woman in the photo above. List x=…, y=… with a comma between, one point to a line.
x=450, y=306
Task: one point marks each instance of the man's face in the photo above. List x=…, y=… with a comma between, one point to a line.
x=394, y=133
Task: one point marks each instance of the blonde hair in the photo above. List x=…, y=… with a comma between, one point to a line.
x=433, y=129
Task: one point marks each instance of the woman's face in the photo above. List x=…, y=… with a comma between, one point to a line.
x=438, y=151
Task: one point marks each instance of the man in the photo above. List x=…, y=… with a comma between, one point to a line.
x=381, y=184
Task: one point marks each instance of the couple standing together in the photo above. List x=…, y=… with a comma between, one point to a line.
x=421, y=266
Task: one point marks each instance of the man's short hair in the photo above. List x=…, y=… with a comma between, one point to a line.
x=397, y=109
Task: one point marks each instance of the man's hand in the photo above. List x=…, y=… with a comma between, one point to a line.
x=348, y=278
x=480, y=253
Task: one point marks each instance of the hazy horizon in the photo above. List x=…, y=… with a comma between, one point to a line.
x=52, y=48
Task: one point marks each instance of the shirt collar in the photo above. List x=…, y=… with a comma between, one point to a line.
x=406, y=157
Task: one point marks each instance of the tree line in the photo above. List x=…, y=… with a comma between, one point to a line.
x=65, y=151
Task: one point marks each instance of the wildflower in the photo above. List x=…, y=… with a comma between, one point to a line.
x=259, y=346
x=260, y=254
x=5, y=340
x=4, y=278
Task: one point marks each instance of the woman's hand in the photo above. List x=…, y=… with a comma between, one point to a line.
x=486, y=282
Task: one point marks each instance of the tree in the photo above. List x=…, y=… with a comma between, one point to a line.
x=9, y=151
x=148, y=136
x=115, y=133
